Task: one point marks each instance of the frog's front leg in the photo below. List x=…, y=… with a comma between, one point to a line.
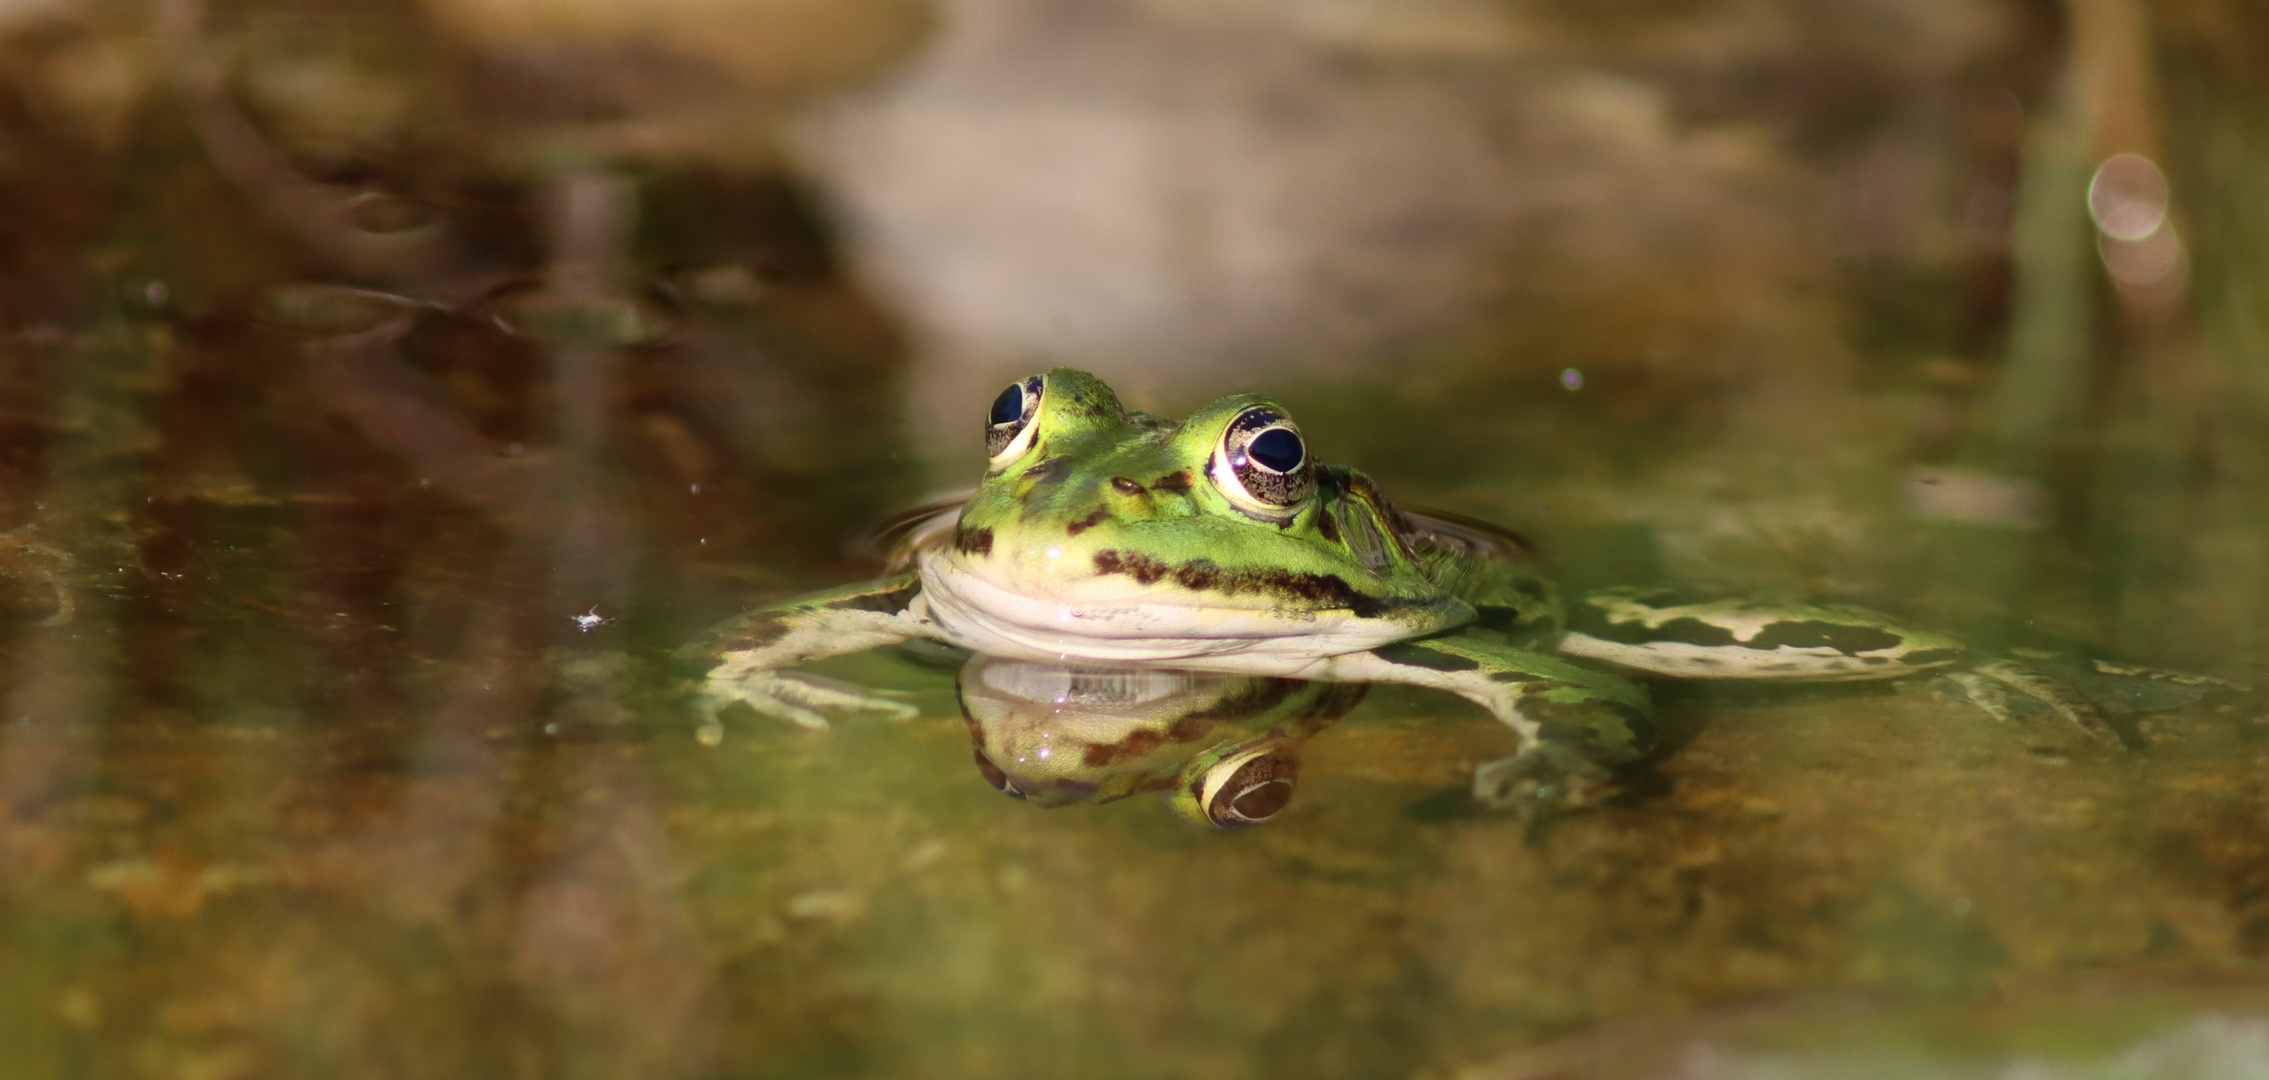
x=1577, y=726
x=746, y=653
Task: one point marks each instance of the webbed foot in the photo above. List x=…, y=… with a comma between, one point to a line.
x=2083, y=692
x=2056, y=694
x=1544, y=779
x=794, y=696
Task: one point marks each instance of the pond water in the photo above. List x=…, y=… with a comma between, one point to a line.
x=386, y=390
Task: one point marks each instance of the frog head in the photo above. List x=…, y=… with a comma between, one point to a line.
x=1114, y=535
x=1223, y=749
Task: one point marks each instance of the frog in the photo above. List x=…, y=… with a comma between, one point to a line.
x=1099, y=535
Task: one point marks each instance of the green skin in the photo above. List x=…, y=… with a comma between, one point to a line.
x=1102, y=536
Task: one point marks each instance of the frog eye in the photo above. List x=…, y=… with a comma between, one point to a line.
x=1262, y=464
x=1248, y=789
x=994, y=776
x=1009, y=427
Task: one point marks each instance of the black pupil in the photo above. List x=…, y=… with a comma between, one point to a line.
x=1009, y=407
x=1277, y=448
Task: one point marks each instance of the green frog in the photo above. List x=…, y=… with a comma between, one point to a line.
x=1104, y=536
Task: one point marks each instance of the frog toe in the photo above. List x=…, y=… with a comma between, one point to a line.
x=2195, y=685
x=709, y=728
x=765, y=694
x=796, y=697
x=2058, y=695
x=1980, y=693
x=1544, y=778
x=818, y=692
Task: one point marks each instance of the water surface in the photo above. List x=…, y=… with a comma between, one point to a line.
x=381, y=406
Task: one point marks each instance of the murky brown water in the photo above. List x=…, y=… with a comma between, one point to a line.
x=385, y=390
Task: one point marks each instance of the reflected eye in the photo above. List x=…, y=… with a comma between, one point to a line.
x=1249, y=788
x=994, y=776
x=1008, y=427
x=1262, y=464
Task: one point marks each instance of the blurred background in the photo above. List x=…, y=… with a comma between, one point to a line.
x=386, y=386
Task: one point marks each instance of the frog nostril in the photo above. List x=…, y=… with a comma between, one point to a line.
x=1125, y=486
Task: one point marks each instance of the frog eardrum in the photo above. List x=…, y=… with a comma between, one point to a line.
x=1262, y=464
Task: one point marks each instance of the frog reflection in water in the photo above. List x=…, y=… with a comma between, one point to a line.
x=1224, y=749
x=1104, y=536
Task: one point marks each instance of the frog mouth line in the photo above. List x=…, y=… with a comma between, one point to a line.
x=1104, y=620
